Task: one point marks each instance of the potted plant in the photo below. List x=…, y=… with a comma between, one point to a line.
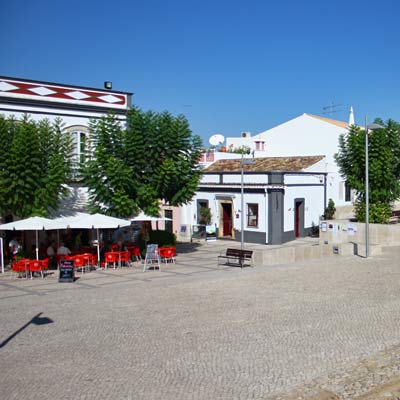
x=205, y=215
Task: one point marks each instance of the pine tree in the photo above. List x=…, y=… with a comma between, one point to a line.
x=35, y=166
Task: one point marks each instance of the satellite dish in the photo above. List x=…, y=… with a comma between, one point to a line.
x=216, y=140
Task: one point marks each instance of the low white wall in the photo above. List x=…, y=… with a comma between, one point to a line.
x=344, y=231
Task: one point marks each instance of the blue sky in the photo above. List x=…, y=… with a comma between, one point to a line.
x=228, y=66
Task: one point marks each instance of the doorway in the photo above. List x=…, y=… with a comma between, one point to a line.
x=168, y=222
x=299, y=217
x=226, y=219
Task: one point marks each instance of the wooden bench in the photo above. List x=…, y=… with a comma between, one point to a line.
x=236, y=257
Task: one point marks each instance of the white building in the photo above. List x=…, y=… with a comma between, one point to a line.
x=283, y=198
x=303, y=136
x=75, y=105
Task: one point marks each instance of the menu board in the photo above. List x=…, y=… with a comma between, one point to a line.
x=152, y=252
x=67, y=271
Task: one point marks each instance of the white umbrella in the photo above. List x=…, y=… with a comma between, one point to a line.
x=29, y=224
x=97, y=221
x=64, y=222
x=143, y=217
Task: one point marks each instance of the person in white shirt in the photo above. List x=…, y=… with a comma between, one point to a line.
x=15, y=248
x=63, y=250
x=51, y=249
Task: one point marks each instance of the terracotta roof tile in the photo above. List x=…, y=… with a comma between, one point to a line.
x=341, y=124
x=293, y=164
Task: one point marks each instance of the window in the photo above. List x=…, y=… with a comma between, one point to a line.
x=252, y=215
x=260, y=145
x=202, y=208
x=79, y=144
x=347, y=191
x=78, y=140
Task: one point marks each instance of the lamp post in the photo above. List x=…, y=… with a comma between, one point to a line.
x=242, y=163
x=242, y=206
x=366, y=191
x=367, y=128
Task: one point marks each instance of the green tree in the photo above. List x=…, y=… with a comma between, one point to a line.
x=34, y=164
x=384, y=168
x=105, y=171
x=155, y=157
x=330, y=210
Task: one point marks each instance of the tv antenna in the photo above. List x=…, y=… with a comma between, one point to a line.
x=332, y=108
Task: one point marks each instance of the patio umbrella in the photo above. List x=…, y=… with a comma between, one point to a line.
x=29, y=224
x=144, y=217
x=64, y=222
x=97, y=221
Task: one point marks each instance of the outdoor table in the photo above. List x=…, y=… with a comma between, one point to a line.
x=111, y=257
x=87, y=257
x=114, y=257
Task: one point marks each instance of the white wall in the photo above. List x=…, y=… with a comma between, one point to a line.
x=238, y=142
x=304, y=136
x=253, y=178
x=80, y=118
x=313, y=205
x=257, y=198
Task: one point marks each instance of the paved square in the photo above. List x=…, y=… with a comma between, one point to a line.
x=193, y=331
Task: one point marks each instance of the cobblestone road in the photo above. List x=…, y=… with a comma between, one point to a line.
x=192, y=331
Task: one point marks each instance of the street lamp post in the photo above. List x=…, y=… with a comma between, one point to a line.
x=242, y=163
x=242, y=206
x=367, y=128
x=366, y=191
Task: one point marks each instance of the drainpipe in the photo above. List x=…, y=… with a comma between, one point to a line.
x=266, y=214
x=2, y=255
x=325, y=203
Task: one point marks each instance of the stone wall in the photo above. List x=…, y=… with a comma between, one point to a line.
x=341, y=232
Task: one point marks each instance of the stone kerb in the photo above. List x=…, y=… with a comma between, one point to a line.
x=291, y=254
x=281, y=255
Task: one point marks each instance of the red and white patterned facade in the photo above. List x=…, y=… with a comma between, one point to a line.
x=74, y=104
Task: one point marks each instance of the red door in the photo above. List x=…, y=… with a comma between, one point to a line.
x=297, y=219
x=227, y=219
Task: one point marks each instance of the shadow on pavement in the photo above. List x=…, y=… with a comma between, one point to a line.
x=36, y=320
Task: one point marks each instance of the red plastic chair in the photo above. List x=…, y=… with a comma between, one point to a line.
x=114, y=247
x=167, y=254
x=135, y=253
x=125, y=257
x=19, y=268
x=93, y=260
x=45, y=264
x=36, y=266
x=90, y=259
x=111, y=257
x=79, y=263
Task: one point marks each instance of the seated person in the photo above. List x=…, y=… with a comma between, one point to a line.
x=15, y=248
x=51, y=254
x=63, y=250
x=103, y=249
x=121, y=246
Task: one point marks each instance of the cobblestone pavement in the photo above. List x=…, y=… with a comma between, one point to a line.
x=323, y=329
